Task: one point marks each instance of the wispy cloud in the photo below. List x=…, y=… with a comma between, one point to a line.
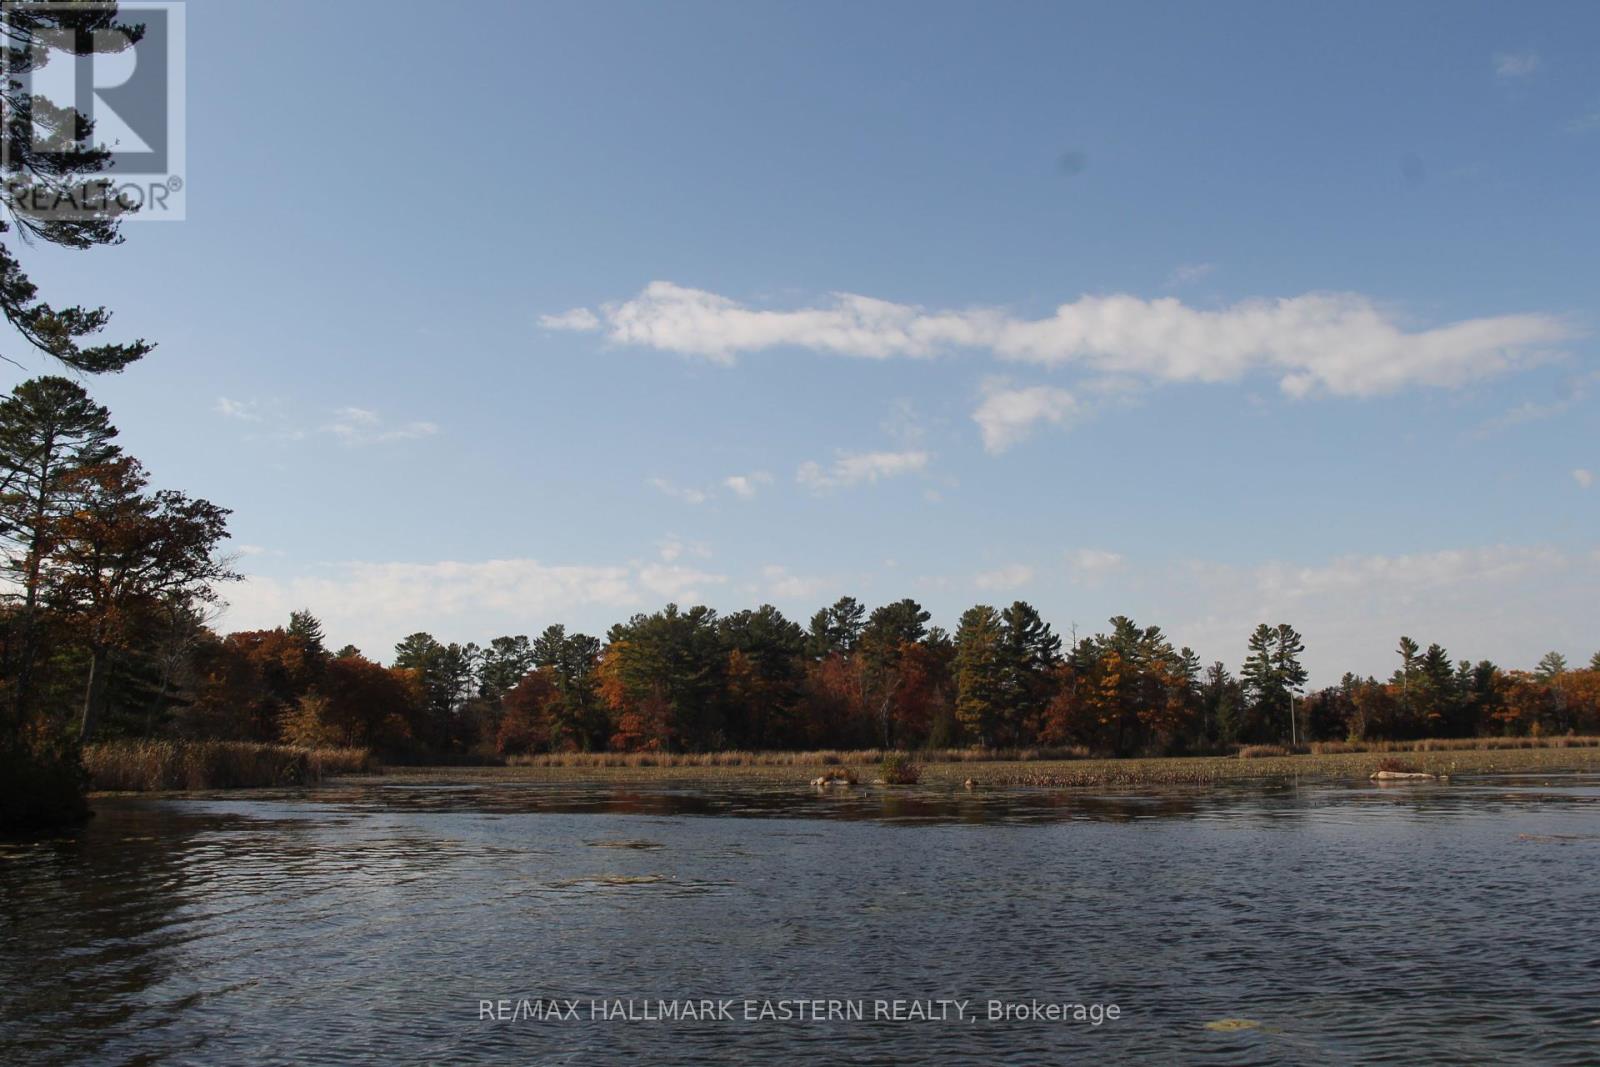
x=1583, y=476
x=244, y=410
x=351, y=425
x=375, y=604
x=857, y=468
x=673, y=581
x=1506, y=601
x=1189, y=273
x=1588, y=122
x=1093, y=562
x=1341, y=343
x=1004, y=579
x=687, y=494
x=577, y=319
x=673, y=549
x=745, y=486
x=1007, y=414
x=781, y=584
x=362, y=426
x=1511, y=65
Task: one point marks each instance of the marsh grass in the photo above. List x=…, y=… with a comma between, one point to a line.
x=815, y=758
x=1263, y=751
x=1454, y=744
x=151, y=766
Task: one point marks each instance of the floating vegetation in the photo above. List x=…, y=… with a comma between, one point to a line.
x=611, y=879
x=1558, y=839
x=642, y=846
x=1230, y=1026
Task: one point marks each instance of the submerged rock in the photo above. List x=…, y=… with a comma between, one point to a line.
x=1391, y=776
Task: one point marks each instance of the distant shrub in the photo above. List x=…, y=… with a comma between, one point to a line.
x=900, y=769
x=1262, y=751
x=1400, y=766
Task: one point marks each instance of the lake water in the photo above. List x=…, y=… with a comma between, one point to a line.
x=366, y=923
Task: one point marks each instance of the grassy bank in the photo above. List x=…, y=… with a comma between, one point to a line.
x=799, y=769
x=147, y=766
x=865, y=756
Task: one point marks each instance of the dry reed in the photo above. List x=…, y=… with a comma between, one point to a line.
x=149, y=766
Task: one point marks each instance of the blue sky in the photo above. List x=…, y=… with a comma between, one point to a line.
x=490, y=316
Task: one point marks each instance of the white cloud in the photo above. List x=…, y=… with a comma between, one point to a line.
x=855, y=468
x=1515, y=64
x=581, y=320
x=684, y=493
x=1013, y=576
x=1342, y=343
x=244, y=410
x=745, y=486
x=1093, y=562
x=1584, y=477
x=1006, y=415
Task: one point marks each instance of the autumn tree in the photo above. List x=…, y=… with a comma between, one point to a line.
x=355, y=703
x=532, y=713
x=120, y=553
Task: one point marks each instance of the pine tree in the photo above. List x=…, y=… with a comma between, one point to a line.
x=50, y=431
x=980, y=673
x=65, y=169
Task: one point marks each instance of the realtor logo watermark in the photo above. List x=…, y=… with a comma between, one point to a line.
x=128, y=88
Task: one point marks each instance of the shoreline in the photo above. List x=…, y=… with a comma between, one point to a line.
x=1052, y=774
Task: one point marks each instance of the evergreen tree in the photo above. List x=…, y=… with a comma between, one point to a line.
x=980, y=673
x=64, y=168
x=1551, y=665
x=1272, y=675
x=50, y=432
x=307, y=628
x=836, y=629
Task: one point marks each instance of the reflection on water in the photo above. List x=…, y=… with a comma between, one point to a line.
x=363, y=923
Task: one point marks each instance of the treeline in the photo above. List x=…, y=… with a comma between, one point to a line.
x=689, y=680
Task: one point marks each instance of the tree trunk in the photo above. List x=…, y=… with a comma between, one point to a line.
x=92, y=694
